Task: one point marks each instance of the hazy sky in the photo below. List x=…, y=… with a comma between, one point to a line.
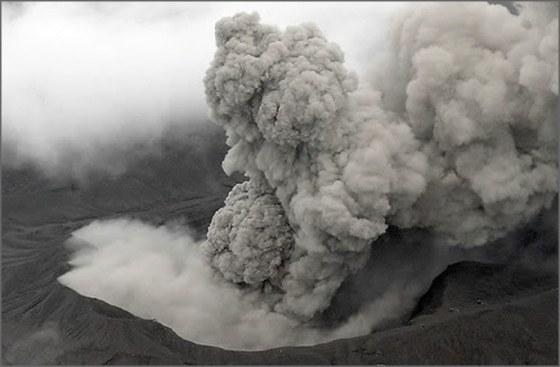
x=78, y=78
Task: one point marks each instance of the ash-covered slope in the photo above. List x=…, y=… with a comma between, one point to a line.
x=509, y=330
x=44, y=322
x=468, y=283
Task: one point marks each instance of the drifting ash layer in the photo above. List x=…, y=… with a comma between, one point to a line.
x=456, y=134
x=46, y=323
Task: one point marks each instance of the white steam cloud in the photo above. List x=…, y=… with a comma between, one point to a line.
x=454, y=132
x=77, y=82
x=84, y=84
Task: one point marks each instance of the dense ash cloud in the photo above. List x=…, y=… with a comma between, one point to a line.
x=360, y=190
x=457, y=133
x=479, y=88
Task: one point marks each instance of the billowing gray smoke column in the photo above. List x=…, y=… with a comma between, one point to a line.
x=479, y=89
x=251, y=237
x=456, y=133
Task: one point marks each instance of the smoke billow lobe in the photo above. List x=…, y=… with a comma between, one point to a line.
x=456, y=134
x=262, y=240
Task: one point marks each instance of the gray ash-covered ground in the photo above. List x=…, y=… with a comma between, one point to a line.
x=474, y=312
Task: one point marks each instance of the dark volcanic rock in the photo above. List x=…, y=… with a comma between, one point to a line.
x=468, y=284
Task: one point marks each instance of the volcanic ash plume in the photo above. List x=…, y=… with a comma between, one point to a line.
x=457, y=133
